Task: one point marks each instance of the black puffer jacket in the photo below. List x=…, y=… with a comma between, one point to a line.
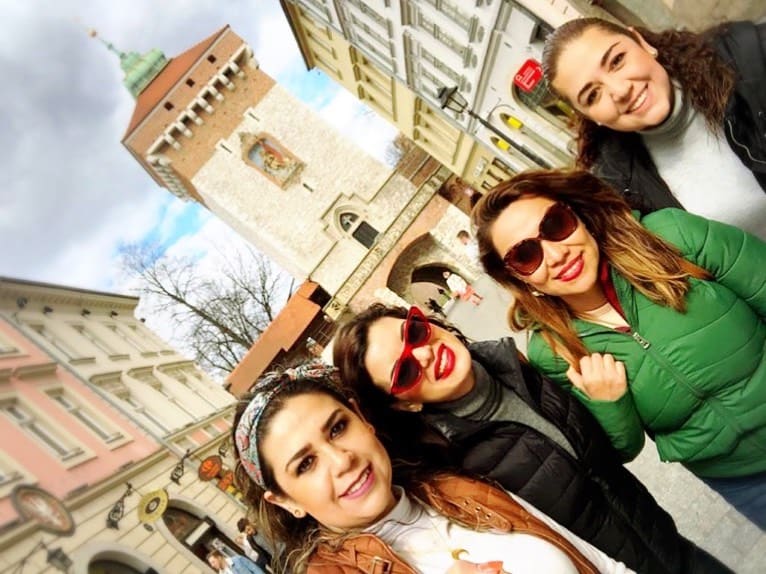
x=593, y=495
x=626, y=164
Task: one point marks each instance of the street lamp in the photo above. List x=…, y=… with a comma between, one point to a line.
x=451, y=99
x=56, y=557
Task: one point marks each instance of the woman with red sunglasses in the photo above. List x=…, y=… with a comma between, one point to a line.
x=656, y=324
x=420, y=382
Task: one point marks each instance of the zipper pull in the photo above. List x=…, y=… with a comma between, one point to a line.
x=640, y=340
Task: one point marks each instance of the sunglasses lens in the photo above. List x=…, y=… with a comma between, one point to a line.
x=407, y=376
x=558, y=224
x=525, y=257
x=416, y=331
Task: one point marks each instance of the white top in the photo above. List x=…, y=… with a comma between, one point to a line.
x=703, y=172
x=456, y=283
x=425, y=540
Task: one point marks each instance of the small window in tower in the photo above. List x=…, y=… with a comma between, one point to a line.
x=190, y=83
x=211, y=59
x=168, y=106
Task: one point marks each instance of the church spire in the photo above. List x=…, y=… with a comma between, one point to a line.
x=139, y=69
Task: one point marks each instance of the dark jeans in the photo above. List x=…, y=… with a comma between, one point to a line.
x=745, y=493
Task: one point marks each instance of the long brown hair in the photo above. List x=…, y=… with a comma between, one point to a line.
x=689, y=58
x=652, y=266
x=292, y=539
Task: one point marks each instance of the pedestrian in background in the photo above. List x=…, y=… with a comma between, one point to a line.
x=232, y=564
x=461, y=289
x=669, y=119
x=655, y=324
x=470, y=246
x=253, y=549
x=504, y=421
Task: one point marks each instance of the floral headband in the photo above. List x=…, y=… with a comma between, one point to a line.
x=265, y=390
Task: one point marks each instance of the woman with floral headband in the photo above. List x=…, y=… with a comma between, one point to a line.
x=506, y=422
x=330, y=499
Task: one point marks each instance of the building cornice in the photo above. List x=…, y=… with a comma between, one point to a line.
x=36, y=370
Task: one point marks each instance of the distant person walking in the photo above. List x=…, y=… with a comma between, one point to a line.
x=470, y=246
x=461, y=289
x=232, y=565
x=253, y=550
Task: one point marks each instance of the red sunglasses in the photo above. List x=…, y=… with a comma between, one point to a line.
x=558, y=223
x=407, y=372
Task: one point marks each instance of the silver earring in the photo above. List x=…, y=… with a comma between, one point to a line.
x=297, y=513
x=653, y=52
x=536, y=293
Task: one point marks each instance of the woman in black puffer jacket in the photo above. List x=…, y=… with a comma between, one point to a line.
x=506, y=422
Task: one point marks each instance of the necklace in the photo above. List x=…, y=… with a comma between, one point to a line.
x=422, y=539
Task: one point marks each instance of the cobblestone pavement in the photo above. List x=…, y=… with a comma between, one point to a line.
x=701, y=515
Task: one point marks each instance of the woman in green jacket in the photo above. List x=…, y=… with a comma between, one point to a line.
x=655, y=325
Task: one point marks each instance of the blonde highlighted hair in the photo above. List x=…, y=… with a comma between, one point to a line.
x=651, y=265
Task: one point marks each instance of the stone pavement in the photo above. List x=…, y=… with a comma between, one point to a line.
x=701, y=515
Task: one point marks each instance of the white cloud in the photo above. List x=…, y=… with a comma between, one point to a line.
x=362, y=125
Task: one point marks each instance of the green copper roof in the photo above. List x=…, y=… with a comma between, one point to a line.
x=141, y=70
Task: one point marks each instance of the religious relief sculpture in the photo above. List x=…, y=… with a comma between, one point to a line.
x=264, y=152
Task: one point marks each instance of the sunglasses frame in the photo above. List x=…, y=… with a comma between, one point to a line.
x=541, y=236
x=414, y=314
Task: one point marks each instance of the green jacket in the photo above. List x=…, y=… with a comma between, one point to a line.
x=697, y=380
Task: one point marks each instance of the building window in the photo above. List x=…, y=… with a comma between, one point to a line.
x=141, y=410
x=211, y=59
x=129, y=340
x=190, y=82
x=82, y=414
x=359, y=229
x=169, y=106
x=8, y=473
x=54, y=340
x=99, y=344
x=6, y=347
x=38, y=430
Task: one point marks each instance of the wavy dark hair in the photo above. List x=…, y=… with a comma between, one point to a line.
x=689, y=58
x=651, y=265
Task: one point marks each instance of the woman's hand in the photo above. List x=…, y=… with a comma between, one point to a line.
x=465, y=567
x=600, y=377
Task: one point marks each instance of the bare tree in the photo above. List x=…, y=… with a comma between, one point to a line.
x=397, y=149
x=217, y=317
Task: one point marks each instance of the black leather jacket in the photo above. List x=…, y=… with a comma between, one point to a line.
x=625, y=163
x=591, y=494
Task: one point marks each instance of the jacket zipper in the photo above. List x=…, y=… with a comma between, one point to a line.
x=646, y=345
x=743, y=146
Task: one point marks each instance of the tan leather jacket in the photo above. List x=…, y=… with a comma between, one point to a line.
x=472, y=502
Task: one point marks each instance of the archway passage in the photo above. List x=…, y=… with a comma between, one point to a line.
x=108, y=566
x=199, y=535
x=416, y=275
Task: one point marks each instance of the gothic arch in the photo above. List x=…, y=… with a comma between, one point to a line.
x=99, y=551
x=423, y=260
x=190, y=507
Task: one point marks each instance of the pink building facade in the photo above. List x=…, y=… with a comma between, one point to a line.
x=57, y=433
